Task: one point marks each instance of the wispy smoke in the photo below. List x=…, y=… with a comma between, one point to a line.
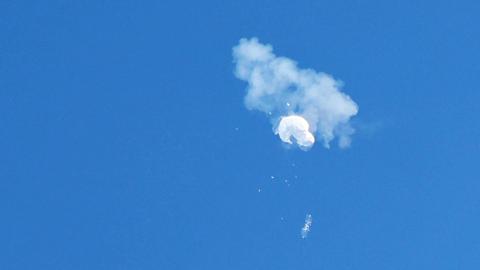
x=299, y=102
x=306, y=226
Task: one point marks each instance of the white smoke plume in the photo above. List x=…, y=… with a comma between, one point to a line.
x=299, y=102
x=306, y=226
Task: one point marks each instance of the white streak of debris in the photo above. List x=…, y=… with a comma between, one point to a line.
x=306, y=226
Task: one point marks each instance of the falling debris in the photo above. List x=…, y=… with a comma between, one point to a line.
x=295, y=128
x=306, y=226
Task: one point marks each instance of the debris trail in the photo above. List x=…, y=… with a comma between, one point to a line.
x=306, y=226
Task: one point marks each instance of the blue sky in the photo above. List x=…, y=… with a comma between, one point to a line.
x=125, y=143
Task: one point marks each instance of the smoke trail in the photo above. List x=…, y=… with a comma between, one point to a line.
x=299, y=102
x=306, y=226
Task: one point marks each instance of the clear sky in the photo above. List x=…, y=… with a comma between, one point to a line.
x=125, y=142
